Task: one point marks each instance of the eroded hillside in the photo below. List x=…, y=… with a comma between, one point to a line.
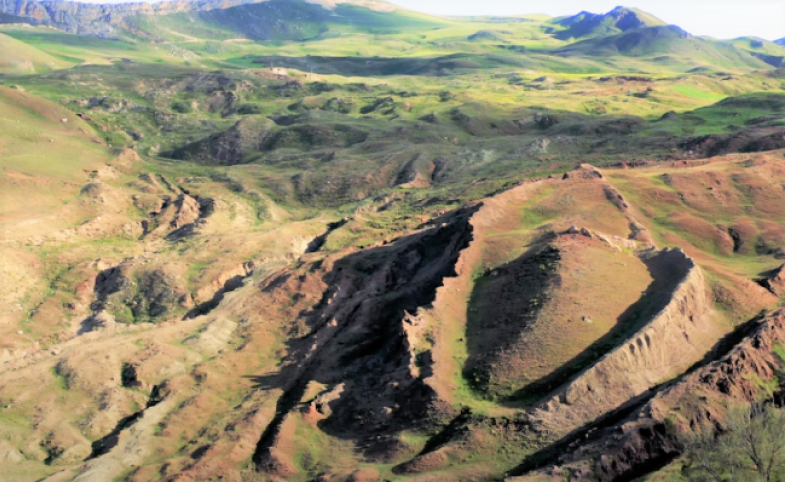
x=190, y=328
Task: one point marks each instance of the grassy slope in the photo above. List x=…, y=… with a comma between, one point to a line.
x=483, y=141
x=36, y=142
x=71, y=49
x=23, y=58
x=769, y=52
x=44, y=163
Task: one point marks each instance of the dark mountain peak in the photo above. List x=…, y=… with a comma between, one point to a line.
x=620, y=11
x=662, y=39
x=627, y=19
x=618, y=20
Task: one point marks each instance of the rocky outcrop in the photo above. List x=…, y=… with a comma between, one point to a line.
x=775, y=281
x=211, y=294
x=719, y=144
x=133, y=292
x=584, y=172
x=668, y=345
x=100, y=19
x=651, y=436
x=188, y=211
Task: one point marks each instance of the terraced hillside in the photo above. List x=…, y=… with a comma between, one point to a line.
x=295, y=241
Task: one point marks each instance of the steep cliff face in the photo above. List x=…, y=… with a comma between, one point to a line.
x=100, y=19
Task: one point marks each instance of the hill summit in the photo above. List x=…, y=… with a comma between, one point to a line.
x=618, y=20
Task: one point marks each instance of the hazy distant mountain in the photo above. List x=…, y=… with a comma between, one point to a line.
x=618, y=20
x=620, y=32
x=106, y=20
x=663, y=43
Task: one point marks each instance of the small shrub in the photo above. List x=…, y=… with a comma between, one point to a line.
x=249, y=109
x=446, y=96
x=181, y=107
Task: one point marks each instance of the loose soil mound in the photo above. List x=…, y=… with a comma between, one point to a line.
x=549, y=311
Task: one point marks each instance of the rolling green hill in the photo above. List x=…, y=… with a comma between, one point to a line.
x=769, y=52
x=356, y=37
x=669, y=44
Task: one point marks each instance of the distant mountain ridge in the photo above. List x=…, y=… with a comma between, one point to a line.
x=780, y=41
x=97, y=19
x=622, y=32
x=104, y=20
x=664, y=41
x=618, y=20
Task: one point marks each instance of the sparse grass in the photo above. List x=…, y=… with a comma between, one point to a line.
x=61, y=381
x=779, y=349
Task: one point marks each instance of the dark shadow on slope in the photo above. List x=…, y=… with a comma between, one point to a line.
x=109, y=441
x=231, y=284
x=587, y=433
x=500, y=308
x=286, y=403
x=727, y=342
x=384, y=66
x=317, y=242
x=357, y=338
